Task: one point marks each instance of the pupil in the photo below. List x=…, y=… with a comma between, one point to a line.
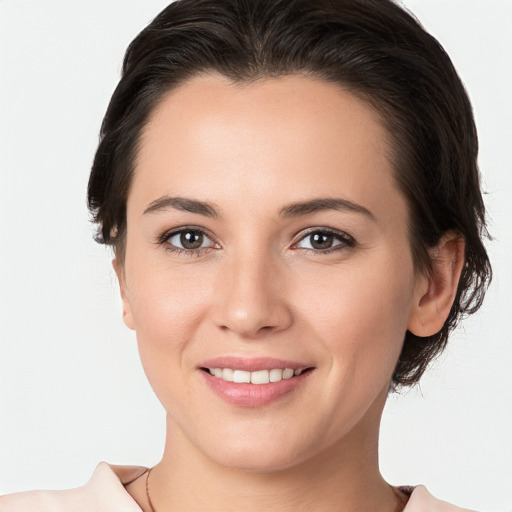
x=191, y=239
x=321, y=240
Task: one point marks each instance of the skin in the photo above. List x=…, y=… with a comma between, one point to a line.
x=259, y=288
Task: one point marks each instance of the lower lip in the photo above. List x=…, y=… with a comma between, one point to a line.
x=253, y=395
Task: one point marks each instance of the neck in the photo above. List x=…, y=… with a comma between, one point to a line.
x=345, y=476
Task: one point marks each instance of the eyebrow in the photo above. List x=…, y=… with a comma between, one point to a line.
x=322, y=204
x=183, y=204
x=296, y=209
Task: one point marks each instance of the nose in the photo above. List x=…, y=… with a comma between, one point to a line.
x=251, y=298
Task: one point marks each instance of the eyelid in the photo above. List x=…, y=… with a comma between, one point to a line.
x=167, y=235
x=345, y=239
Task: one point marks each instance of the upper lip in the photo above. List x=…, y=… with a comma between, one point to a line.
x=252, y=364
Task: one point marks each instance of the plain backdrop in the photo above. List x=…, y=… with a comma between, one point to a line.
x=72, y=391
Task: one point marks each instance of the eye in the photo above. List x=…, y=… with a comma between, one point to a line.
x=325, y=240
x=188, y=240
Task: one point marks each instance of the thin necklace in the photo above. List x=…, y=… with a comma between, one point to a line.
x=147, y=491
x=399, y=493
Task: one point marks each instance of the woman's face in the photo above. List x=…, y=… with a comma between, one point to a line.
x=266, y=233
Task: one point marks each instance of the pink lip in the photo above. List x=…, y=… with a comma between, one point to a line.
x=252, y=364
x=252, y=395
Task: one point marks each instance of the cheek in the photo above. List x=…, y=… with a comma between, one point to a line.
x=360, y=312
x=167, y=308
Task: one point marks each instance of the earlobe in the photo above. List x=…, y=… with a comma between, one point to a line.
x=436, y=292
x=127, y=310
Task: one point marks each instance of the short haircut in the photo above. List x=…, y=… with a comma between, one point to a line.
x=371, y=48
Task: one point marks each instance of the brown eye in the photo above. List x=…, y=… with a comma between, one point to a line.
x=321, y=240
x=188, y=240
x=325, y=240
x=191, y=239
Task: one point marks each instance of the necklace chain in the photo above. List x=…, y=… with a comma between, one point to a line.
x=402, y=495
x=147, y=491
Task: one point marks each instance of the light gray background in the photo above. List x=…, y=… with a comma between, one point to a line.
x=72, y=391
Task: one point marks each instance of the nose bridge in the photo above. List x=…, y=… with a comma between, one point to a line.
x=252, y=294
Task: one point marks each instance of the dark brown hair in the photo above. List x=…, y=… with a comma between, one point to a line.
x=372, y=48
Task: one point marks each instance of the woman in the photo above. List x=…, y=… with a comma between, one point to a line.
x=291, y=192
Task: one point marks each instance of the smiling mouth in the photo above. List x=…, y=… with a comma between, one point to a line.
x=256, y=377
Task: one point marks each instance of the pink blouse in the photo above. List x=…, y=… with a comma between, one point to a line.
x=105, y=492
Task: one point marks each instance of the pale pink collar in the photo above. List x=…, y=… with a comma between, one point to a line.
x=105, y=492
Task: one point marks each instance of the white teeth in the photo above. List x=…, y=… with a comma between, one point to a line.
x=241, y=376
x=288, y=373
x=227, y=374
x=257, y=377
x=276, y=375
x=260, y=377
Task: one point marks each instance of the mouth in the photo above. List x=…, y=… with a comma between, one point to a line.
x=258, y=377
x=254, y=382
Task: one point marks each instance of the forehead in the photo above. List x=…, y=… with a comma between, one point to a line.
x=271, y=141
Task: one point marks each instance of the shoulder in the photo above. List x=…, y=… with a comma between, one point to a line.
x=422, y=501
x=104, y=492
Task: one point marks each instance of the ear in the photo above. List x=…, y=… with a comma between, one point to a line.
x=436, y=292
x=127, y=310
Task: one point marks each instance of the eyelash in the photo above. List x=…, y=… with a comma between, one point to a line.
x=165, y=237
x=346, y=241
